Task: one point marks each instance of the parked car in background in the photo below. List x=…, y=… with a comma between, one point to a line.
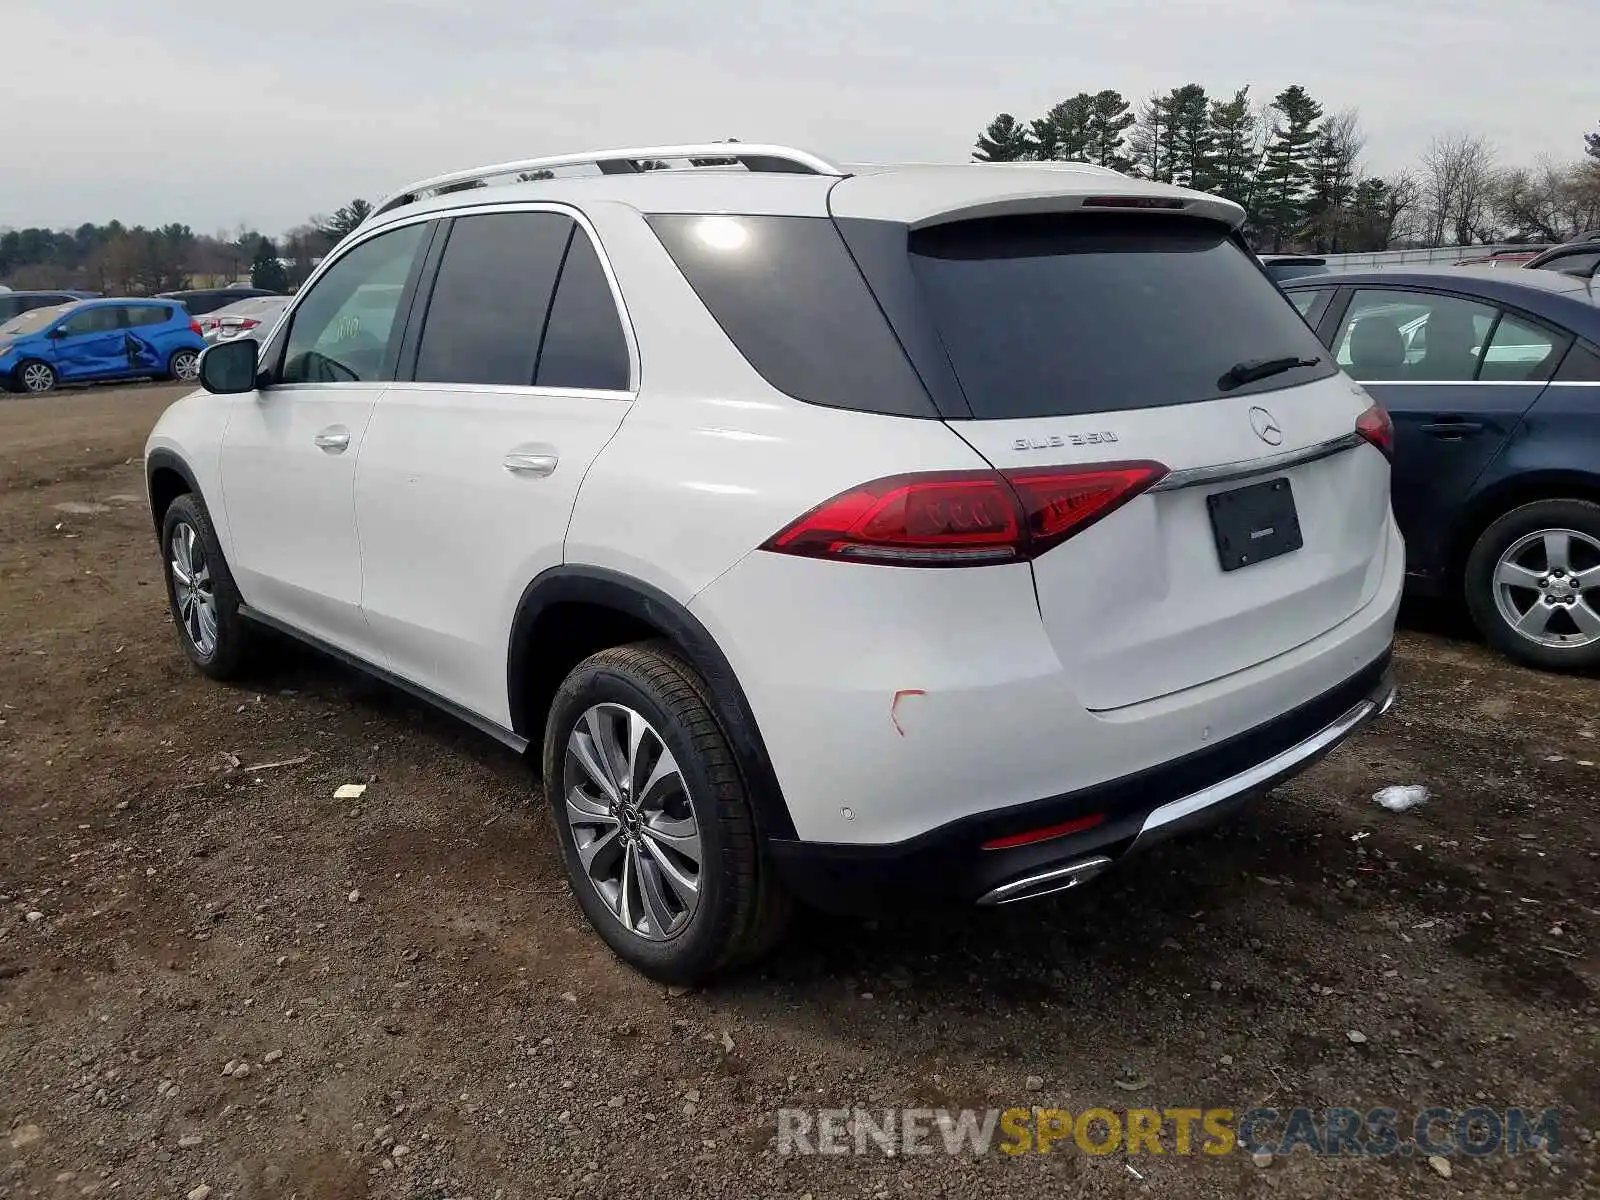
x=90, y=341
x=1570, y=258
x=244, y=316
x=200, y=301
x=1293, y=266
x=1117, y=576
x=14, y=304
x=1493, y=381
x=1501, y=258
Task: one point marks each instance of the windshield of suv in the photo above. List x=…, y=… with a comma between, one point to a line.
x=33, y=320
x=1063, y=314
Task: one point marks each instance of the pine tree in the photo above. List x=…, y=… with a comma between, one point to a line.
x=1591, y=144
x=1332, y=167
x=1190, y=137
x=1005, y=140
x=265, y=269
x=1236, y=148
x=1150, y=140
x=1062, y=134
x=1109, y=119
x=1284, y=183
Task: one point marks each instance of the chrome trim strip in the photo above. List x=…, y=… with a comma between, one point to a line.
x=1224, y=472
x=1065, y=877
x=1264, y=773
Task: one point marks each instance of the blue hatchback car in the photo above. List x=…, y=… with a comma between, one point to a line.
x=1492, y=378
x=94, y=340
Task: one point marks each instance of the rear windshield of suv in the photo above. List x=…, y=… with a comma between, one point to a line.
x=1066, y=314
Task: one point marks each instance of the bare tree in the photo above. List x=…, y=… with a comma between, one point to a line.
x=1457, y=178
x=1549, y=201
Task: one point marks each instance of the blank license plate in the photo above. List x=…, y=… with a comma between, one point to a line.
x=1255, y=523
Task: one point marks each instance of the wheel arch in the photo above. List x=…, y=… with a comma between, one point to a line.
x=569, y=612
x=167, y=477
x=1495, y=502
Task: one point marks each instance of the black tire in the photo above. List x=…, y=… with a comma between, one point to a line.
x=178, y=356
x=40, y=371
x=228, y=654
x=739, y=910
x=1483, y=594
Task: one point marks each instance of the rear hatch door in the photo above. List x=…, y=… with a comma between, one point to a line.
x=1097, y=338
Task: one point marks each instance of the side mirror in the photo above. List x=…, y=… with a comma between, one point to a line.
x=229, y=368
x=60, y=331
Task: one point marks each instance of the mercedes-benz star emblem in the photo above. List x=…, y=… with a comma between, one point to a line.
x=1266, y=426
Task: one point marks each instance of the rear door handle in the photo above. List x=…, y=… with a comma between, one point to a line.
x=1453, y=429
x=335, y=439
x=524, y=462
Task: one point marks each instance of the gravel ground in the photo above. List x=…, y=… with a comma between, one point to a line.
x=214, y=975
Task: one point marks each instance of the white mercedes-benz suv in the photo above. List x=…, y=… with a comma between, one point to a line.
x=829, y=534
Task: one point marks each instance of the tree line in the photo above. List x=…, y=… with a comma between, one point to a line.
x=1296, y=169
x=117, y=259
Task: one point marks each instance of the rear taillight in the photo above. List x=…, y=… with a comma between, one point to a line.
x=1375, y=426
x=963, y=518
x=195, y=326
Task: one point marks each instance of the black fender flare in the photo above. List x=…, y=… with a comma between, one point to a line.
x=572, y=584
x=162, y=459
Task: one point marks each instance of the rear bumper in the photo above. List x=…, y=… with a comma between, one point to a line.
x=949, y=864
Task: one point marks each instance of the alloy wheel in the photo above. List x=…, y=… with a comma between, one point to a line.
x=37, y=377
x=632, y=821
x=1547, y=588
x=193, y=589
x=186, y=366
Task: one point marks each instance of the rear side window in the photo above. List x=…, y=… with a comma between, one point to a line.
x=584, y=346
x=1310, y=303
x=1581, y=365
x=148, y=314
x=790, y=297
x=490, y=299
x=1061, y=315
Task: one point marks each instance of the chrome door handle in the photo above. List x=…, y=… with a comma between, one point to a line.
x=337, y=440
x=523, y=463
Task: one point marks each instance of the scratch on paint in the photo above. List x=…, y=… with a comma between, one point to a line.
x=895, y=707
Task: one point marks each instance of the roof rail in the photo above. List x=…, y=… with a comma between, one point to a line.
x=752, y=156
x=1058, y=164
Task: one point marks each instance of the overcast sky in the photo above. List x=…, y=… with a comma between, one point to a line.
x=265, y=113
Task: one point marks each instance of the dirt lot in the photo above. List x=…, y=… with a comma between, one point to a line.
x=409, y=970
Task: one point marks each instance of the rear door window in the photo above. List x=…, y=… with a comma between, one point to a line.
x=1066, y=314
x=491, y=298
x=148, y=314
x=1581, y=365
x=1397, y=335
x=584, y=346
x=1520, y=352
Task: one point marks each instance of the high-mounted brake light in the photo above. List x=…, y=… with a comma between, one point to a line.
x=1163, y=202
x=1375, y=426
x=963, y=518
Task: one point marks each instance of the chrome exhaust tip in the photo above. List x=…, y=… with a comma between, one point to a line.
x=1046, y=883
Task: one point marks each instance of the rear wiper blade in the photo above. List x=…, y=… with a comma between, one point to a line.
x=1252, y=369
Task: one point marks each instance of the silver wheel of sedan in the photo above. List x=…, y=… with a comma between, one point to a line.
x=193, y=588
x=1547, y=588
x=632, y=820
